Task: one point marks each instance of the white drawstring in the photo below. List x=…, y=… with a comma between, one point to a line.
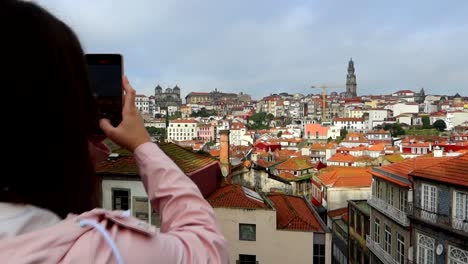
x=107, y=237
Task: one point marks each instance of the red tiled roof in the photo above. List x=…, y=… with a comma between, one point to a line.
x=377, y=147
x=453, y=170
x=233, y=196
x=123, y=165
x=337, y=212
x=342, y=157
x=403, y=168
x=296, y=163
x=292, y=213
x=345, y=177
x=287, y=175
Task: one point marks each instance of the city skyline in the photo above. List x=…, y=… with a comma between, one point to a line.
x=271, y=47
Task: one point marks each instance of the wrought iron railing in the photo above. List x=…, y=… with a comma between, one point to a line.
x=389, y=210
x=383, y=255
x=437, y=218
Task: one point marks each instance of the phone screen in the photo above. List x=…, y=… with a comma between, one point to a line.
x=105, y=73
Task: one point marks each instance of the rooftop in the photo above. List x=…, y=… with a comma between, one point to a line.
x=188, y=161
x=403, y=168
x=293, y=213
x=233, y=196
x=452, y=171
x=296, y=163
x=345, y=177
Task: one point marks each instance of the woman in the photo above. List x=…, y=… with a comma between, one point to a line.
x=47, y=201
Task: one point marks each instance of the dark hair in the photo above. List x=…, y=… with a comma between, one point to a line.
x=51, y=116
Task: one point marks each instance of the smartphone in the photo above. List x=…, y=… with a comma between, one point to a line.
x=105, y=75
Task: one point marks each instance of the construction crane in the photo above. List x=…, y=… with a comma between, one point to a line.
x=324, y=96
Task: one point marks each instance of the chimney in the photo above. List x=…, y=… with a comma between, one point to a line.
x=438, y=152
x=224, y=153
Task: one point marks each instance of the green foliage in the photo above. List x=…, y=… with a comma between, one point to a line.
x=440, y=125
x=426, y=122
x=203, y=113
x=422, y=132
x=329, y=139
x=395, y=129
x=343, y=133
x=153, y=131
x=176, y=115
x=280, y=133
x=260, y=121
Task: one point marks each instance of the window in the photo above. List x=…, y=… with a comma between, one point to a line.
x=377, y=231
x=120, y=199
x=388, y=239
x=429, y=198
x=319, y=254
x=425, y=250
x=400, y=249
x=461, y=206
x=457, y=256
x=402, y=200
x=247, y=259
x=247, y=232
x=390, y=194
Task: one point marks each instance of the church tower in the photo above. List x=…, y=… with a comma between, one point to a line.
x=351, y=80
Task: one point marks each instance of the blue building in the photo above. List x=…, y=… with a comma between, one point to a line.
x=439, y=212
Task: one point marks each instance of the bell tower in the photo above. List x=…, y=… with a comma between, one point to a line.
x=351, y=84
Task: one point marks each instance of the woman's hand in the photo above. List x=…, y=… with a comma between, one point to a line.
x=131, y=132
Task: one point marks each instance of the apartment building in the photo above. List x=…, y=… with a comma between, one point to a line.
x=439, y=212
x=259, y=228
x=182, y=129
x=390, y=234
x=358, y=229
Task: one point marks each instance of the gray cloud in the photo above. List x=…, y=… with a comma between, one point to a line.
x=263, y=47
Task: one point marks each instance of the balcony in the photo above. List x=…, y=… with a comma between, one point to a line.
x=379, y=251
x=440, y=220
x=389, y=210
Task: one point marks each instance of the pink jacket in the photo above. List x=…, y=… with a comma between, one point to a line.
x=189, y=231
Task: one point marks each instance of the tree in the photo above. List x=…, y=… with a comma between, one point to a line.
x=426, y=122
x=280, y=133
x=343, y=133
x=395, y=129
x=440, y=125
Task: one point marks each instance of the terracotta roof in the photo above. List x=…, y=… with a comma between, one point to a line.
x=125, y=165
x=342, y=157
x=285, y=152
x=377, y=147
x=337, y=212
x=453, y=171
x=403, y=168
x=215, y=152
x=319, y=146
x=293, y=213
x=233, y=196
x=381, y=131
x=296, y=163
x=187, y=160
x=345, y=177
x=287, y=175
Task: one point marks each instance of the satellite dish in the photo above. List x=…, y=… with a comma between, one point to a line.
x=439, y=249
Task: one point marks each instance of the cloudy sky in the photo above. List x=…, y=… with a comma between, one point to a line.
x=261, y=47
